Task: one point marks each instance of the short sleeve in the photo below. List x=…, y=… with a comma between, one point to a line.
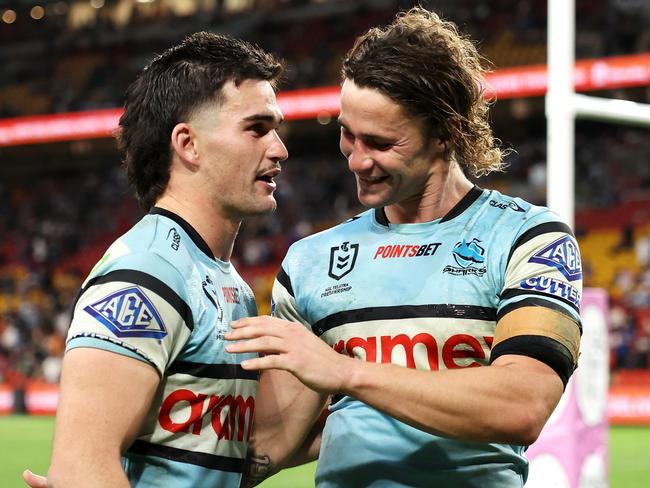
x=134, y=312
x=544, y=269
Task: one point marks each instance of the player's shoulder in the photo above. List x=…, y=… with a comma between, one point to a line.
x=521, y=215
x=151, y=247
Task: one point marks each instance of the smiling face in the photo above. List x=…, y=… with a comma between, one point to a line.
x=239, y=149
x=385, y=148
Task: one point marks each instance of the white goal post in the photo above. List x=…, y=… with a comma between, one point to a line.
x=563, y=106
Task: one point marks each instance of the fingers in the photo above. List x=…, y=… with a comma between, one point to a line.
x=34, y=480
x=264, y=362
x=263, y=344
x=251, y=327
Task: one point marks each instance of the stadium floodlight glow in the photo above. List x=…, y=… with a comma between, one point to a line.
x=9, y=16
x=37, y=12
x=60, y=8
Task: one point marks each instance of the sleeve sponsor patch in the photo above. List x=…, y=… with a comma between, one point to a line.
x=128, y=313
x=562, y=254
x=555, y=287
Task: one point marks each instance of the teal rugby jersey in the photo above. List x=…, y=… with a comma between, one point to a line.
x=159, y=295
x=425, y=296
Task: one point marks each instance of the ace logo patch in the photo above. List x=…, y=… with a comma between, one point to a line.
x=562, y=254
x=129, y=313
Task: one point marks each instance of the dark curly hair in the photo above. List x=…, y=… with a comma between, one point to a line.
x=169, y=89
x=421, y=62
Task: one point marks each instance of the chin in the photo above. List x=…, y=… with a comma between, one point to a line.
x=372, y=200
x=268, y=206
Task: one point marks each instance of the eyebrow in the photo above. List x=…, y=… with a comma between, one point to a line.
x=263, y=118
x=370, y=137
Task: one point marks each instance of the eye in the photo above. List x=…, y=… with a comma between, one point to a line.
x=346, y=134
x=259, y=129
x=379, y=145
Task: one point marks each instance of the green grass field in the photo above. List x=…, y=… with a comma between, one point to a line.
x=26, y=442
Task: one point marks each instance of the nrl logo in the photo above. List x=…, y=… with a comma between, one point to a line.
x=342, y=260
x=129, y=313
x=562, y=254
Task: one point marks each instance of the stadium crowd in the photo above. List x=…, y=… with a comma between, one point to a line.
x=80, y=58
x=55, y=227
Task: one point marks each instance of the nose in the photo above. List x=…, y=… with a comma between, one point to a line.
x=277, y=151
x=358, y=160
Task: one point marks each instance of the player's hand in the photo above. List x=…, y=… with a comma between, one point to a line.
x=34, y=480
x=291, y=347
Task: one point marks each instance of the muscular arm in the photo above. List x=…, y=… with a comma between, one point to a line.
x=285, y=413
x=508, y=401
x=104, y=398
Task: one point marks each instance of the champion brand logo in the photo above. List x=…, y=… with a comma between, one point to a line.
x=342, y=260
x=562, y=254
x=129, y=313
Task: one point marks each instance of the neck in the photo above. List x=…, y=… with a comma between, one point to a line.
x=446, y=186
x=217, y=231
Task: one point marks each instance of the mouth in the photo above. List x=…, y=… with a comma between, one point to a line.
x=267, y=176
x=372, y=180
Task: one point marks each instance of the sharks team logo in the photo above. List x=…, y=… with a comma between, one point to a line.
x=469, y=256
x=129, y=313
x=562, y=254
x=211, y=293
x=342, y=260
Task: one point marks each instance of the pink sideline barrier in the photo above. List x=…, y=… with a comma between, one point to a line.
x=572, y=450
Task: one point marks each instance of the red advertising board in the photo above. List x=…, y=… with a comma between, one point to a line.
x=524, y=81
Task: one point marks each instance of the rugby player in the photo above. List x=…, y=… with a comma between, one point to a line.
x=149, y=396
x=443, y=322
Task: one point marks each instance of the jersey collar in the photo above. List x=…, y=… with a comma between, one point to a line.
x=189, y=230
x=464, y=203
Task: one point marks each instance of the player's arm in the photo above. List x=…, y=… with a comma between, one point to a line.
x=508, y=401
x=104, y=398
x=286, y=431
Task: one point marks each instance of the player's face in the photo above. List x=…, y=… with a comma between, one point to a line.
x=385, y=148
x=240, y=148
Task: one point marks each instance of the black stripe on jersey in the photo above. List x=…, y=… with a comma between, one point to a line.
x=512, y=292
x=189, y=230
x=537, y=231
x=381, y=217
x=404, y=312
x=544, y=349
x=536, y=302
x=154, y=284
x=216, y=371
x=284, y=280
x=464, y=204
x=210, y=461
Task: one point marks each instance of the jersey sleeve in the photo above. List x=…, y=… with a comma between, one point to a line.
x=543, y=269
x=283, y=303
x=134, y=313
x=539, y=312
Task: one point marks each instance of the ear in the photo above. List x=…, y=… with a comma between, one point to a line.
x=184, y=143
